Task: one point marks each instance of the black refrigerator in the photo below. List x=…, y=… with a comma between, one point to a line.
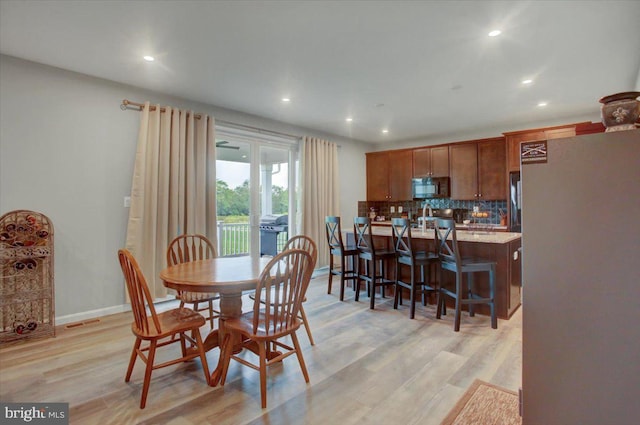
x=515, y=202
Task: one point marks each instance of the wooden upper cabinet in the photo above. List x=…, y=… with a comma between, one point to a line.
x=514, y=139
x=492, y=163
x=589, y=128
x=389, y=175
x=422, y=162
x=400, y=175
x=478, y=170
x=513, y=147
x=377, y=176
x=431, y=162
x=463, y=163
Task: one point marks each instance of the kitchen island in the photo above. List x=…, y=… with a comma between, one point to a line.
x=501, y=247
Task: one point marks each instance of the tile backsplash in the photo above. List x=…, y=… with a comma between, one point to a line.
x=383, y=208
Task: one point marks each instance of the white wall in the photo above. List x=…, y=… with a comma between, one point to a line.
x=67, y=150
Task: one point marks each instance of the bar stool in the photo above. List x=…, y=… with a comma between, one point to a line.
x=450, y=260
x=337, y=248
x=407, y=256
x=374, y=260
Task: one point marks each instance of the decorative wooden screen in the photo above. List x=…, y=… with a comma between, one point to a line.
x=26, y=276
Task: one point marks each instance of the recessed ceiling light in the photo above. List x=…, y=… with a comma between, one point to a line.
x=527, y=81
x=286, y=99
x=385, y=131
x=149, y=58
x=349, y=119
x=495, y=33
x=542, y=104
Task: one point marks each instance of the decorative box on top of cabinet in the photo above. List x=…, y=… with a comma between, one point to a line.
x=26, y=276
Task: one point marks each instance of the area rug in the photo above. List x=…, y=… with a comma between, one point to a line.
x=485, y=404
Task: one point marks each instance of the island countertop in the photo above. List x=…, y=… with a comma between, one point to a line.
x=463, y=235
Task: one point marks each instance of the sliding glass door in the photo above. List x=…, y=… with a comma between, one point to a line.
x=255, y=193
x=233, y=177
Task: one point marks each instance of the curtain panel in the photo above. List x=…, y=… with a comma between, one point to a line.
x=173, y=190
x=320, y=194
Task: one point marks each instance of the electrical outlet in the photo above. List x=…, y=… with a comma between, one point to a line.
x=400, y=209
x=392, y=209
x=127, y=201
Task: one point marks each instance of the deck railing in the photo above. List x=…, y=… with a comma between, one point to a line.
x=233, y=239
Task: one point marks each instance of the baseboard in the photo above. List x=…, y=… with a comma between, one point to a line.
x=92, y=314
x=320, y=271
x=86, y=315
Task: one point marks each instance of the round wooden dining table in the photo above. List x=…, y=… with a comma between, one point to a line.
x=228, y=276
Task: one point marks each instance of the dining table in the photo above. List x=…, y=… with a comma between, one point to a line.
x=231, y=277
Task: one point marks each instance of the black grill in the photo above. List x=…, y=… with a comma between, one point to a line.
x=271, y=228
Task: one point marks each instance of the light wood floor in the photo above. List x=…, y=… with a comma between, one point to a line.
x=367, y=367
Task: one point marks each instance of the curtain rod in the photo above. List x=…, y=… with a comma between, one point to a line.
x=127, y=104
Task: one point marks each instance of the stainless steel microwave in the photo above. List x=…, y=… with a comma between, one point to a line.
x=430, y=187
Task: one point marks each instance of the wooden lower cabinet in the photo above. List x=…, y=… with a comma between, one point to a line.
x=508, y=276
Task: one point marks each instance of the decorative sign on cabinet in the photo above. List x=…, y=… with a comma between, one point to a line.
x=514, y=138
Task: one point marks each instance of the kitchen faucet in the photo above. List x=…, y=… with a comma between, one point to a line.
x=424, y=215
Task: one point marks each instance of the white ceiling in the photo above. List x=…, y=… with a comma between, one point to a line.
x=419, y=68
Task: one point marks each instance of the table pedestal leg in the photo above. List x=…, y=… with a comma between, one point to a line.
x=230, y=307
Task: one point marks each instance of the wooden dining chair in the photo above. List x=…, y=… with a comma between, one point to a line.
x=281, y=287
x=185, y=248
x=158, y=329
x=307, y=244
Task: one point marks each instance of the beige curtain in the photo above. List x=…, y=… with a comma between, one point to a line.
x=173, y=189
x=320, y=195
